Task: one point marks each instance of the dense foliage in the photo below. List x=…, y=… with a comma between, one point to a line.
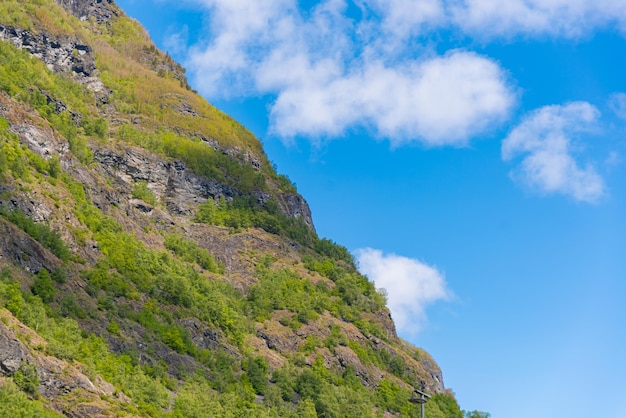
x=246, y=213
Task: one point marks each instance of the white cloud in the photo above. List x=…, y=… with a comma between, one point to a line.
x=617, y=103
x=222, y=66
x=176, y=41
x=567, y=18
x=330, y=74
x=404, y=18
x=442, y=101
x=411, y=285
x=546, y=141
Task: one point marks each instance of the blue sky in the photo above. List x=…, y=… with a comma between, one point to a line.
x=472, y=155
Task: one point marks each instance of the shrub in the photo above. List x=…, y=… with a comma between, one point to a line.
x=54, y=166
x=69, y=307
x=244, y=212
x=43, y=286
x=95, y=127
x=142, y=192
x=191, y=252
x=329, y=248
x=16, y=404
x=309, y=384
x=40, y=232
x=258, y=371
x=27, y=378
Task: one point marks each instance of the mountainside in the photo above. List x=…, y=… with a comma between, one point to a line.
x=152, y=261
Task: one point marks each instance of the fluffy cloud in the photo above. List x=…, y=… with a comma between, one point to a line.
x=337, y=65
x=442, y=101
x=546, y=141
x=330, y=73
x=222, y=66
x=411, y=285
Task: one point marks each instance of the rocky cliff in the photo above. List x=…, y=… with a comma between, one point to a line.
x=152, y=262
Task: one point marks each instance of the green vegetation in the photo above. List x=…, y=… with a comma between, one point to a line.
x=27, y=379
x=43, y=286
x=183, y=326
x=202, y=159
x=36, y=15
x=142, y=192
x=40, y=232
x=19, y=161
x=476, y=414
x=351, y=297
x=246, y=213
x=15, y=403
x=190, y=251
x=29, y=80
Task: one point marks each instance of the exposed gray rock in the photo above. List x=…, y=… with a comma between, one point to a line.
x=245, y=156
x=24, y=251
x=211, y=142
x=87, y=411
x=32, y=207
x=207, y=338
x=63, y=54
x=277, y=342
x=40, y=140
x=435, y=385
x=348, y=358
x=185, y=109
x=179, y=187
x=200, y=335
x=140, y=205
x=296, y=207
x=57, y=378
x=101, y=10
x=12, y=352
x=172, y=182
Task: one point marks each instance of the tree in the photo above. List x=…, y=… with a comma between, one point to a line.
x=258, y=371
x=43, y=286
x=476, y=414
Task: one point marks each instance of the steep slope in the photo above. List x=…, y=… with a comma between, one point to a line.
x=152, y=261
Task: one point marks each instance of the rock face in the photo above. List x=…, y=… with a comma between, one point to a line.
x=40, y=140
x=56, y=377
x=12, y=352
x=60, y=54
x=101, y=10
x=171, y=180
x=178, y=187
x=24, y=251
x=296, y=207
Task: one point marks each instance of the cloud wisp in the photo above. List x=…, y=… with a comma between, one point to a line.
x=546, y=141
x=557, y=18
x=617, y=103
x=410, y=284
x=331, y=73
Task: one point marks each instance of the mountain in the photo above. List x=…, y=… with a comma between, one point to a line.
x=152, y=261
